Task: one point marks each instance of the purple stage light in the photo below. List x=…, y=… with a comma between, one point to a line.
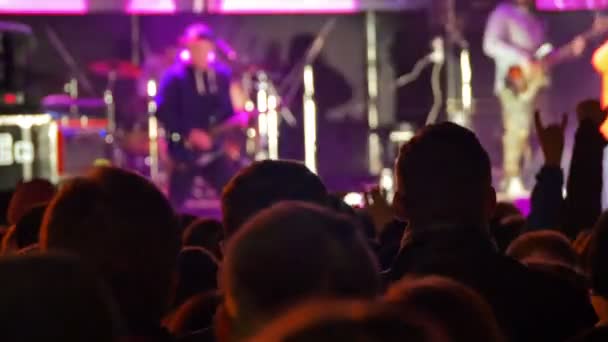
x=288, y=6
x=151, y=6
x=571, y=5
x=43, y=6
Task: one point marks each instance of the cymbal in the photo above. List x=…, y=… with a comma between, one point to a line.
x=122, y=69
x=64, y=100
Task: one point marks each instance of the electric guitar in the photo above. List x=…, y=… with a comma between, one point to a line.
x=184, y=152
x=526, y=82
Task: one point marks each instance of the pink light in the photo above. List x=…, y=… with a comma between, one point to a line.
x=43, y=6
x=185, y=56
x=151, y=6
x=288, y=6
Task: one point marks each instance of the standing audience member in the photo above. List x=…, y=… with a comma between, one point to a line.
x=597, y=265
x=54, y=298
x=288, y=254
x=124, y=227
x=445, y=193
x=454, y=308
x=262, y=184
x=582, y=205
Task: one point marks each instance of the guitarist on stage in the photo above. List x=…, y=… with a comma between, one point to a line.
x=513, y=36
x=194, y=96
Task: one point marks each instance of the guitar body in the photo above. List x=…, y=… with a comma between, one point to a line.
x=228, y=140
x=526, y=83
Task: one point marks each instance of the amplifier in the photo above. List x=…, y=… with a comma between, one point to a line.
x=28, y=149
x=81, y=143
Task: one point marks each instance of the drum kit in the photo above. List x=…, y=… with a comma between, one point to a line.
x=136, y=146
x=79, y=117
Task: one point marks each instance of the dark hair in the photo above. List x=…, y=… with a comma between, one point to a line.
x=27, y=230
x=125, y=227
x=308, y=250
x=597, y=257
x=265, y=183
x=546, y=246
x=205, y=233
x=197, y=31
x=331, y=321
x=453, y=307
x=54, y=298
x=196, y=273
x=443, y=175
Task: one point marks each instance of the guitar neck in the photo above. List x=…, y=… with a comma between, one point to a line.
x=565, y=52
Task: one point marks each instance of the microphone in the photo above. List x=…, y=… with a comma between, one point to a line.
x=226, y=50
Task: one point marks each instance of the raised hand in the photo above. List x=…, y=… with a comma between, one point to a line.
x=551, y=139
x=578, y=46
x=378, y=209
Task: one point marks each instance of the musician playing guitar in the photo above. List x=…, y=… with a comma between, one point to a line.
x=514, y=38
x=195, y=96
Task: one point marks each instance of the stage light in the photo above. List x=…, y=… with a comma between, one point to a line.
x=43, y=6
x=151, y=88
x=185, y=56
x=355, y=199
x=288, y=6
x=310, y=120
x=151, y=6
x=571, y=5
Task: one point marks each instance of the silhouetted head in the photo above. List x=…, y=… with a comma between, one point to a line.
x=205, y=233
x=124, y=227
x=546, y=246
x=444, y=177
x=265, y=183
x=196, y=272
x=451, y=306
x=290, y=253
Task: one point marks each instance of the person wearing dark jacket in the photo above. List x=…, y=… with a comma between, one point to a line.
x=583, y=204
x=445, y=193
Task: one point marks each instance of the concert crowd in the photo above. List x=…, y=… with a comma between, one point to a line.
x=106, y=258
